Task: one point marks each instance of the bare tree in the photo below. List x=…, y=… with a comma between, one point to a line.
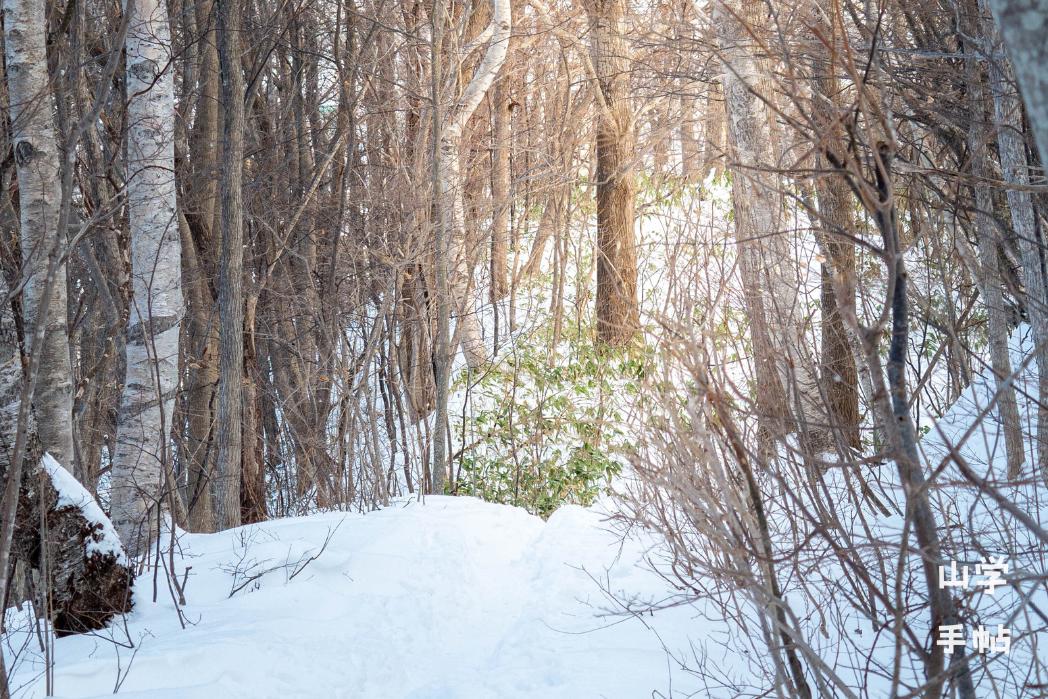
x=143, y=454
x=226, y=482
x=616, y=302
x=37, y=160
x=1023, y=26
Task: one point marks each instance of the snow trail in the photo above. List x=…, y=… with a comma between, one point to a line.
x=451, y=599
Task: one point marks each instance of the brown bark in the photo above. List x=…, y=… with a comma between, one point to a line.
x=200, y=349
x=226, y=485
x=253, y=481
x=838, y=375
x=617, y=310
x=86, y=586
x=415, y=348
x=199, y=267
x=500, y=188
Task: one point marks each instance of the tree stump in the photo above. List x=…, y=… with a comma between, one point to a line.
x=63, y=534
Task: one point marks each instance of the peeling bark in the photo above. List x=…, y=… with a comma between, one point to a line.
x=37, y=160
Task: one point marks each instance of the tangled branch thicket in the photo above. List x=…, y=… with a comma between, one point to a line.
x=773, y=269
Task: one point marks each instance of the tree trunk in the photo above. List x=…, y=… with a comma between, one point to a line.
x=714, y=145
x=617, y=309
x=1024, y=26
x=755, y=199
x=500, y=194
x=1011, y=147
x=37, y=159
x=986, y=234
x=200, y=346
x=450, y=186
x=142, y=453
x=839, y=377
x=200, y=253
x=253, y=480
x=226, y=485
x=441, y=356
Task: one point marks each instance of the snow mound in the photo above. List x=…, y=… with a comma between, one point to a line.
x=451, y=598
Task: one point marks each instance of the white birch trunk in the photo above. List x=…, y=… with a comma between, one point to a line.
x=157, y=306
x=37, y=159
x=464, y=301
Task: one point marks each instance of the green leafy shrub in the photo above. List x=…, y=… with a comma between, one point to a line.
x=545, y=428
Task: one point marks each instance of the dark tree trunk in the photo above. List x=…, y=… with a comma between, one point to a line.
x=67, y=535
x=617, y=310
x=231, y=273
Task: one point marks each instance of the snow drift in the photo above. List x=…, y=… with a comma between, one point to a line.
x=453, y=598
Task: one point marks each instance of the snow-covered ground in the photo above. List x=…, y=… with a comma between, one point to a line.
x=453, y=597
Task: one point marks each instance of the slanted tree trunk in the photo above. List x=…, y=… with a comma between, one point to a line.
x=1012, y=151
x=226, y=492
x=986, y=234
x=1024, y=26
x=143, y=451
x=450, y=186
x=617, y=310
x=37, y=159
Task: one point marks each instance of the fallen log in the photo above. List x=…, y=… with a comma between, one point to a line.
x=89, y=576
x=63, y=535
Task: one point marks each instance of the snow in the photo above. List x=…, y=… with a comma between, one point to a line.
x=450, y=598
x=71, y=493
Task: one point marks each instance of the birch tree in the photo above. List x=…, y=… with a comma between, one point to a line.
x=453, y=253
x=37, y=160
x=450, y=183
x=142, y=452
